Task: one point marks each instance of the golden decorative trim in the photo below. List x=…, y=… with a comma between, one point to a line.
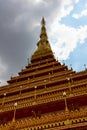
x=50, y=120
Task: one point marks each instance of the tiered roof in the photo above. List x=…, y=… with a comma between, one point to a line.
x=38, y=91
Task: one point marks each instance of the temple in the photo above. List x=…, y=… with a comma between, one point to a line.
x=45, y=95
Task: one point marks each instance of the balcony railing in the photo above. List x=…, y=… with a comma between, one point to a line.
x=43, y=96
x=51, y=120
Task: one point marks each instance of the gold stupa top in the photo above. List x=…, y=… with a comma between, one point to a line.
x=43, y=46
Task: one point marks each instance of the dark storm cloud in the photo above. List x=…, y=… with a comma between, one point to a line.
x=18, y=35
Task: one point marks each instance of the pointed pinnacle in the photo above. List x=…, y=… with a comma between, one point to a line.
x=43, y=22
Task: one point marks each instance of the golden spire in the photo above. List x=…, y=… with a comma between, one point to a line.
x=43, y=34
x=43, y=44
x=43, y=22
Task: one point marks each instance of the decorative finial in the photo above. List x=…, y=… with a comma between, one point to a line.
x=15, y=104
x=71, y=66
x=63, y=62
x=85, y=66
x=4, y=94
x=64, y=93
x=43, y=22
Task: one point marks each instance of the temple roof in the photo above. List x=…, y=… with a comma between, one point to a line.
x=43, y=45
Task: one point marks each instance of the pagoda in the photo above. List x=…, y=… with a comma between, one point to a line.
x=46, y=94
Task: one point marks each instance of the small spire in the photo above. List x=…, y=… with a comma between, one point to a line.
x=43, y=34
x=43, y=22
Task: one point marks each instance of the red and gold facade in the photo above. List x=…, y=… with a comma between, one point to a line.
x=45, y=94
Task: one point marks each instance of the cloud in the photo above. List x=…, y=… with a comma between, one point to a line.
x=20, y=29
x=3, y=67
x=80, y=14
x=3, y=70
x=67, y=39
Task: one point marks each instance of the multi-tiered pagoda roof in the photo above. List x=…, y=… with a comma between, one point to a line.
x=45, y=95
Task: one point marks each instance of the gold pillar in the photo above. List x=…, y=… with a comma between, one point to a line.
x=69, y=84
x=3, y=99
x=67, y=121
x=45, y=85
x=20, y=90
x=15, y=105
x=66, y=107
x=35, y=92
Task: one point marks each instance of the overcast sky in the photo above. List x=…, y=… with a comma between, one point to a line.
x=66, y=23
